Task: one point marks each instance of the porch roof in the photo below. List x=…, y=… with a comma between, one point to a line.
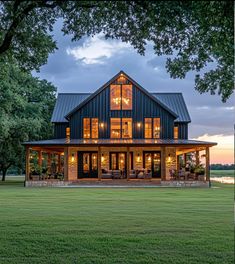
x=142, y=142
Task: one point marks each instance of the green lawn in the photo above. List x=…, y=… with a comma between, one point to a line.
x=79, y=225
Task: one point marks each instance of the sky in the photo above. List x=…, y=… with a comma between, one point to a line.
x=85, y=65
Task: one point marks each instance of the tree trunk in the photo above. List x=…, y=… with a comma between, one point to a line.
x=4, y=173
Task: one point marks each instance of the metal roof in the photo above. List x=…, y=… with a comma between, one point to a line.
x=176, y=102
x=110, y=141
x=66, y=102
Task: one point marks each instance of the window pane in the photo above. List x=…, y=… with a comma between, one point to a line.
x=115, y=97
x=121, y=161
x=156, y=127
x=126, y=97
x=126, y=127
x=176, y=132
x=68, y=132
x=113, y=161
x=121, y=80
x=86, y=162
x=94, y=128
x=86, y=128
x=115, y=128
x=94, y=161
x=148, y=161
x=148, y=127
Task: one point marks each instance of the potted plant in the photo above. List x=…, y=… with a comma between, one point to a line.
x=200, y=172
x=36, y=172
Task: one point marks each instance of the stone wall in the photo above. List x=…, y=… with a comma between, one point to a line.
x=170, y=161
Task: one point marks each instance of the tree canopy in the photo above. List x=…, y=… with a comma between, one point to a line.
x=26, y=105
x=196, y=33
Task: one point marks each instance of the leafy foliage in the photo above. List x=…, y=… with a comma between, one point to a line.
x=26, y=104
x=195, y=33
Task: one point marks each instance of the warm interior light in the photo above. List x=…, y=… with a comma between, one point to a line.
x=72, y=158
x=149, y=158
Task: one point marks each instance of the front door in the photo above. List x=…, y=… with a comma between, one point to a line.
x=87, y=164
x=118, y=161
x=152, y=161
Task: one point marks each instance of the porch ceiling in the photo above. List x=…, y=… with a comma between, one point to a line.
x=120, y=142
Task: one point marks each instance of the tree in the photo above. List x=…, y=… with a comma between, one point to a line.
x=26, y=105
x=195, y=33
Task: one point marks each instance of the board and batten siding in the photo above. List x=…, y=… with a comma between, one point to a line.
x=182, y=130
x=143, y=106
x=60, y=130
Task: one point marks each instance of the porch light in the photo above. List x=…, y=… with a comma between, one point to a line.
x=102, y=158
x=138, y=157
x=139, y=125
x=149, y=158
x=169, y=158
x=72, y=158
x=62, y=154
x=102, y=125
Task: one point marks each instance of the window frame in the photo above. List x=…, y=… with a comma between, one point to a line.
x=152, y=127
x=90, y=128
x=121, y=87
x=121, y=122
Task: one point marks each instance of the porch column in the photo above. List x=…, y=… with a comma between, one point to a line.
x=99, y=163
x=27, y=167
x=185, y=159
x=178, y=162
x=207, y=163
x=128, y=163
x=66, y=164
x=40, y=158
x=163, y=163
x=59, y=163
x=49, y=161
x=197, y=158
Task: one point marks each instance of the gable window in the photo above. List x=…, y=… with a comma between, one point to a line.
x=126, y=97
x=86, y=127
x=115, y=128
x=126, y=127
x=68, y=132
x=176, y=132
x=156, y=127
x=90, y=128
x=121, y=97
x=115, y=97
x=148, y=127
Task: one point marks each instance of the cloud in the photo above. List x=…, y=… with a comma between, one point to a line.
x=95, y=50
x=223, y=152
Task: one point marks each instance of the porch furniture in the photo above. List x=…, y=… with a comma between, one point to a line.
x=132, y=174
x=106, y=174
x=147, y=174
x=117, y=174
x=173, y=174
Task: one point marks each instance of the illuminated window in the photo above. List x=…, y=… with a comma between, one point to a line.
x=68, y=132
x=86, y=128
x=115, y=128
x=176, y=132
x=148, y=127
x=94, y=128
x=126, y=97
x=126, y=127
x=115, y=97
x=121, y=79
x=156, y=127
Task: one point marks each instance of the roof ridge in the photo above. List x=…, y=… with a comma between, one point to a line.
x=166, y=92
x=74, y=93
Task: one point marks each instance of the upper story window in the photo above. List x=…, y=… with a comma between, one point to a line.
x=121, y=96
x=68, y=132
x=121, y=127
x=152, y=127
x=176, y=132
x=90, y=128
x=156, y=128
x=148, y=128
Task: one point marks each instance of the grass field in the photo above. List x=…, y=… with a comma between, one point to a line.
x=152, y=225
x=222, y=173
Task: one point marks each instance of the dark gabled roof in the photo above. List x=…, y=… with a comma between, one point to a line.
x=112, y=80
x=176, y=102
x=65, y=103
x=108, y=141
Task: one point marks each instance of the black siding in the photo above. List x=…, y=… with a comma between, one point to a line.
x=183, y=130
x=143, y=106
x=60, y=130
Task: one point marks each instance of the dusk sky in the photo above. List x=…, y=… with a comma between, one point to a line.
x=86, y=65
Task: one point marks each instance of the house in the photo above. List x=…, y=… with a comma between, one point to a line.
x=119, y=132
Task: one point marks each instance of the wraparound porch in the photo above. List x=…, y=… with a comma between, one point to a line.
x=158, y=163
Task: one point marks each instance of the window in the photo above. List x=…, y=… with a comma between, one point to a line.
x=115, y=128
x=86, y=127
x=156, y=127
x=176, y=132
x=121, y=97
x=94, y=128
x=126, y=127
x=148, y=127
x=68, y=132
x=126, y=97
x=90, y=128
x=115, y=97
